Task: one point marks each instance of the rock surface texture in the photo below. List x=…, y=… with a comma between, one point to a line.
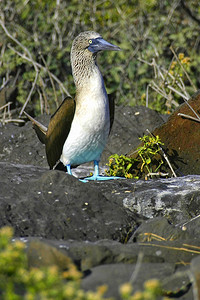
x=116, y=231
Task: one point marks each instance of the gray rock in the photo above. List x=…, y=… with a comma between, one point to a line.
x=175, y=198
x=111, y=263
x=101, y=226
x=52, y=204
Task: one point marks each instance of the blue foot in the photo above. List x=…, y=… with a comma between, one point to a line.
x=83, y=180
x=95, y=176
x=99, y=177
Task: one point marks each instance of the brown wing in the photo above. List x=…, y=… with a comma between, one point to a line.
x=112, y=109
x=58, y=130
x=40, y=129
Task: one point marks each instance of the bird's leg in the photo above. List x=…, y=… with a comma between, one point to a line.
x=96, y=175
x=69, y=171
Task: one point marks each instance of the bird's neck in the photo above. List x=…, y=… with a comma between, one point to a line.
x=84, y=67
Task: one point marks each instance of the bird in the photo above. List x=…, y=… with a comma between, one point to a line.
x=79, y=129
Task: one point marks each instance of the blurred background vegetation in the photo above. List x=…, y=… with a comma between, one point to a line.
x=158, y=67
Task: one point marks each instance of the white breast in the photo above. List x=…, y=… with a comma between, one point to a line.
x=91, y=124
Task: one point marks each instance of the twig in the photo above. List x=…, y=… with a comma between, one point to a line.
x=198, y=117
x=52, y=83
x=157, y=174
x=19, y=44
x=164, y=155
x=188, y=117
x=4, y=84
x=147, y=96
x=43, y=68
x=171, y=248
x=12, y=121
x=6, y=105
x=30, y=58
x=190, y=221
x=137, y=267
x=29, y=95
x=177, y=92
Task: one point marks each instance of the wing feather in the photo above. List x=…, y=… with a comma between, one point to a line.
x=58, y=130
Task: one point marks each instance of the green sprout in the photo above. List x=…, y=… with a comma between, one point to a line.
x=147, y=160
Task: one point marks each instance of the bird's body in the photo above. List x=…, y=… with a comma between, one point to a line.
x=91, y=124
x=79, y=130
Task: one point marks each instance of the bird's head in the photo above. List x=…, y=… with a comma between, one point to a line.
x=93, y=42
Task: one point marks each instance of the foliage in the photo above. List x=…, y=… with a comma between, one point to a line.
x=36, y=38
x=18, y=282
x=152, y=290
x=170, y=84
x=147, y=160
x=148, y=151
x=120, y=165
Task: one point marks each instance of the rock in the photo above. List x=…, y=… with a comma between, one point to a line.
x=111, y=263
x=20, y=145
x=114, y=275
x=181, y=138
x=101, y=226
x=195, y=274
x=53, y=204
x=177, y=199
x=41, y=254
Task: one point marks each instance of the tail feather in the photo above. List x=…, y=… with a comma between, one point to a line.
x=40, y=129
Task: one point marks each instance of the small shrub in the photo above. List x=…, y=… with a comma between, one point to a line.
x=152, y=290
x=120, y=165
x=18, y=282
x=147, y=160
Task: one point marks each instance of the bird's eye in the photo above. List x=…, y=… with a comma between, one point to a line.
x=90, y=41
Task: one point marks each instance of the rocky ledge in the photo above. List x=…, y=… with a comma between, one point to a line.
x=118, y=231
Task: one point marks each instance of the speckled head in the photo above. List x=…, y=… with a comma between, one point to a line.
x=92, y=41
x=83, y=55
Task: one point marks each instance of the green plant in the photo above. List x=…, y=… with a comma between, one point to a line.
x=146, y=160
x=148, y=152
x=152, y=290
x=120, y=165
x=18, y=282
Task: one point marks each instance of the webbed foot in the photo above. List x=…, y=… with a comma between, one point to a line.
x=99, y=177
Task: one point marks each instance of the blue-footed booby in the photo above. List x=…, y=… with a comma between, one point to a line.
x=78, y=131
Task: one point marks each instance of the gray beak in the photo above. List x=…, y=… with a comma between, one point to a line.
x=100, y=44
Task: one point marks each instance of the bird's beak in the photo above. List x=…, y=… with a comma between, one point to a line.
x=100, y=44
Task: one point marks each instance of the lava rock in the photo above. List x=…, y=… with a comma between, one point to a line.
x=181, y=138
x=101, y=226
x=53, y=204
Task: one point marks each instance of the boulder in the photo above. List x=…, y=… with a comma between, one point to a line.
x=114, y=232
